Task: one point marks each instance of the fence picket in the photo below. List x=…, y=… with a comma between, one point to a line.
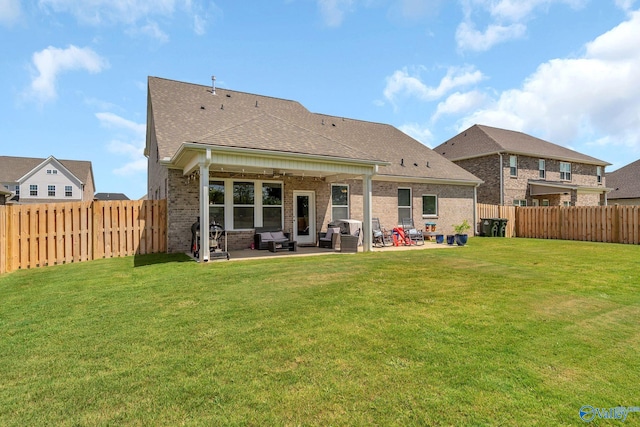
x=56, y=233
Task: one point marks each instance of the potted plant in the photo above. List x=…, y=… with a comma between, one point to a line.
x=461, y=232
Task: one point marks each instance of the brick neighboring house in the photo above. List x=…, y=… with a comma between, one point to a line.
x=37, y=180
x=251, y=161
x=625, y=185
x=519, y=169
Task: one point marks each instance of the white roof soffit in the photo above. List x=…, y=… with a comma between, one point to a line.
x=426, y=180
x=186, y=159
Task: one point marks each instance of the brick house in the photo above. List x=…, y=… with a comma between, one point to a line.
x=625, y=185
x=37, y=180
x=519, y=169
x=249, y=161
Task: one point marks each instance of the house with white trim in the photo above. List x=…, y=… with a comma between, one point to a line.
x=37, y=180
x=250, y=161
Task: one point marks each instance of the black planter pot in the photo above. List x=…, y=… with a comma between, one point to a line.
x=450, y=239
x=461, y=239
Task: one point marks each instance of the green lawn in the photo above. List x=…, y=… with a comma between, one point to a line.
x=499, y=332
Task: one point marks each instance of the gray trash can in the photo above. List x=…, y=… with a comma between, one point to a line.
x=503, y=227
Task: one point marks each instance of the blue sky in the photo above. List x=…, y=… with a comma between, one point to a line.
x=73, y=72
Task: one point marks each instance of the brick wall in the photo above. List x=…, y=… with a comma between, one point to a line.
x=455, y=203
x=487, y=168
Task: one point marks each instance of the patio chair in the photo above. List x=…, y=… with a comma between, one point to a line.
x=381, y=236
x=329, y=239
x=412, y=234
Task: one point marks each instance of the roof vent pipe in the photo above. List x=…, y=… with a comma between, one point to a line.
x=213, y=85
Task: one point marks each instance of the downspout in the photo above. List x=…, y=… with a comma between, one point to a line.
x=475, y=209
x=501, y=181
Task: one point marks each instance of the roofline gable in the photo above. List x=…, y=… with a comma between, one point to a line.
x=57, y=163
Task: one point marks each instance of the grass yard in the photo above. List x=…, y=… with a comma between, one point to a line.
x=499, y=332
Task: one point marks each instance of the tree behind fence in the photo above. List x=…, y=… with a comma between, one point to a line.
x=56, y=233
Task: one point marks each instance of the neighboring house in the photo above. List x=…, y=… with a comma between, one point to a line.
x=110, y=196
x=625, y=185
x=34, y=180
x=519, y=169
x=249, y=161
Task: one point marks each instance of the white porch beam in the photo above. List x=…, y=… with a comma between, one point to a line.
x=204, y=162
x=367, y=244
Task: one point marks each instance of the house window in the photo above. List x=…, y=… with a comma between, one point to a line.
x=519, y=202
x=68, y=191
x=216, y=202
x=542, y=172
x=339, y=201
x=17, y=190
x=404, y=204
x=52, y=172
x=33, y=190
x=566, y=203
x=429, y=205
x=565, y=171
x=272, y=205
x=51, y=190
x=243, y=205
x=545, y=202
x=535, y=202
x=513, y=165
x=599, y=174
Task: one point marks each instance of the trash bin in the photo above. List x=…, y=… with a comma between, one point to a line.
x=487, y=227
x=503, y=227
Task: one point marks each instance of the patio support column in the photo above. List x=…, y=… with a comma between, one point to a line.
x=366, y=213
x=205, y=161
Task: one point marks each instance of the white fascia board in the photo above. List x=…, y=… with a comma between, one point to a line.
x=425, y=180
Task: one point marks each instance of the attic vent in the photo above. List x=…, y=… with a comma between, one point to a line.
x=415, y=164
x=202, y=107
x=428, y=165
x=256, y=104
x=322, y=122
x=401, y=162
x=222, y=106
x=333, y=124
x=228, y=95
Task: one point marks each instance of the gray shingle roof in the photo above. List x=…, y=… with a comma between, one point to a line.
x=480, y=140
x=110, y=196
x=14, y=168
x=184, y=112
x=625, y=182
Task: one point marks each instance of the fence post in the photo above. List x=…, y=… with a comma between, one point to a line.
x=616, y=224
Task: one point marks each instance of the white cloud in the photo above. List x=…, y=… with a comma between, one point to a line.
x=152, y=30
x=333, y=11
x=128, y=142
x=507, y=21
x=468, y=38
x=457, y=103
x=131, y=12
x=401, y=83
x=420, y=133
x=585, y=98
x=51, y=62
x=9, y=11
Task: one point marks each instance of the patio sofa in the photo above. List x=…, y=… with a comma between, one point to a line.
x=264, y=235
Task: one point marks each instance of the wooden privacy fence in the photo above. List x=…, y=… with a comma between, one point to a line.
x=56, y=233
x=611, y=224
x=495, y=211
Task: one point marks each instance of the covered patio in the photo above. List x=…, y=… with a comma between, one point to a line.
x=204, y=163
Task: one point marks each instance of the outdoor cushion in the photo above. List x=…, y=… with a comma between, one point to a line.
x=279, y=236
x=266, y=236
